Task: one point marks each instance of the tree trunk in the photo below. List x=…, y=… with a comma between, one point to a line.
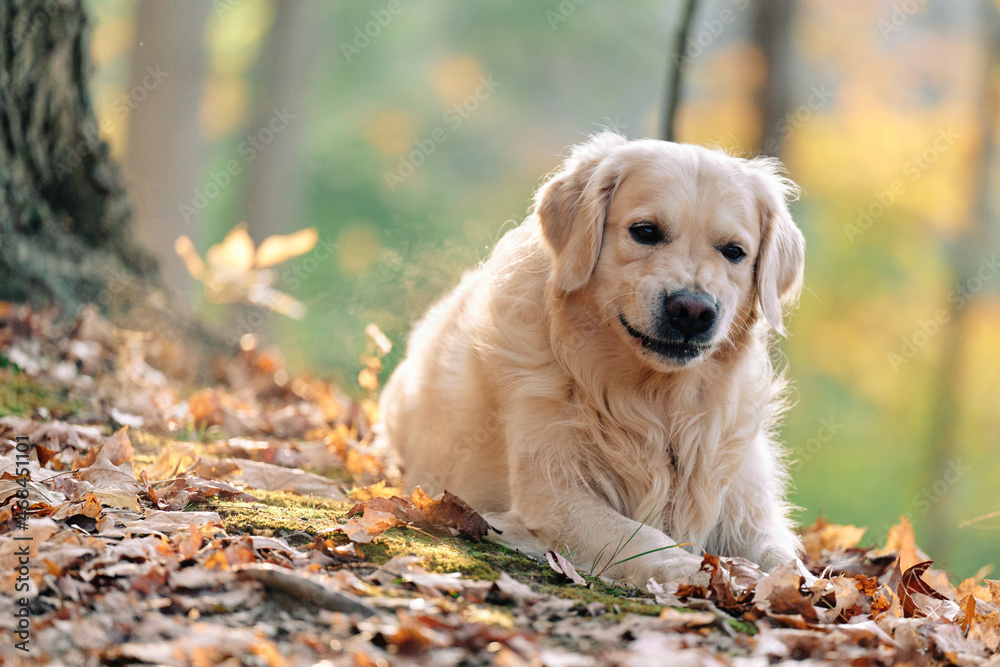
x=772, y=21
x=64, y=216
x=165, y=151
x=943, y=446
x=272, y=197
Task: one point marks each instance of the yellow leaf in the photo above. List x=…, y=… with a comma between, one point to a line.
x=119, y=499
x=184, y=247
x=276, y=249
x=378, y=490
x=235, y=251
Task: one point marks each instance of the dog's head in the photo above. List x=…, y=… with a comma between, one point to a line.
x=679, y=246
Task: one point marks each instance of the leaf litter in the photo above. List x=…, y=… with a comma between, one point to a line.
x=134, y=561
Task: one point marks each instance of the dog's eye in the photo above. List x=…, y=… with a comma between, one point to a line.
x=646, y=233
x=733, y=252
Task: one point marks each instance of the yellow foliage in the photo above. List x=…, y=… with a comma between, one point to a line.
x=455, y=78
x=391, y=131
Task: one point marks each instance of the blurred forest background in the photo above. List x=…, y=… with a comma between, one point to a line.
x=412, y=136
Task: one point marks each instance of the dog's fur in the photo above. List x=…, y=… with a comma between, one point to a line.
x=525, y=393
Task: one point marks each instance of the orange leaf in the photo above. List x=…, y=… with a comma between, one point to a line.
x=276, y=249
x=377, y=490
x=235, y=252
x=118, y=447
x=970, y=612
x=184, y=247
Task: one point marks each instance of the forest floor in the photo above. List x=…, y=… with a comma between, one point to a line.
x=147, y=520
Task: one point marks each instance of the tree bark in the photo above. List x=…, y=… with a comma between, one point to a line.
x=772, y=22
x=64, y=215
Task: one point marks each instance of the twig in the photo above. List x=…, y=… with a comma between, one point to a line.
x=984, y=517
x=675, y=72
x=305, y=589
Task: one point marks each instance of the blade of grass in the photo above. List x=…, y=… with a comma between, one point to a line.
x=653, y=551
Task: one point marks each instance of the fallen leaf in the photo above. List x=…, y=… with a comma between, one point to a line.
x=118, y=447
x=910, y=585
x=827, y=537
x=451, y=512
x=559, y=563
x=378, y=490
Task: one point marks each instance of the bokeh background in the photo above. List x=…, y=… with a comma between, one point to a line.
x=412, y=135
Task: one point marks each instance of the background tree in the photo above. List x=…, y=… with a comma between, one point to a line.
x=64, y=216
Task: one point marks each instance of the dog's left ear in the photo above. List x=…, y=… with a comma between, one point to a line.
x=572, y=206
x=781, y=257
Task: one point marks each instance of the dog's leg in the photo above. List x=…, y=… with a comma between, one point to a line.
x=754, y=521
x=553, y=504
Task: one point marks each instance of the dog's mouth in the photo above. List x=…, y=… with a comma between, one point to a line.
x=673, y=350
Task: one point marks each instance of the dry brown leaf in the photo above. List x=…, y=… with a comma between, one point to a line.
x=106, y=476
x=902, y=541
x=370, y=525
x=174, y=460
x=117, y=447
x=986, y=631
x=451, y=512
x=911, y=585
x=269, y=477
x=559, y=563
x=780, y=593
x=379, y=489
x=823, y=537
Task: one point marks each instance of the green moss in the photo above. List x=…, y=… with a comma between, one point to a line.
x=21, y=394
x=147, y=443
x=262, y=518
x=286, y=513
x=289, y=499
x=742, y=626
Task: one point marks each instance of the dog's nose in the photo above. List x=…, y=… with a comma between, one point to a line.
x=690, y=314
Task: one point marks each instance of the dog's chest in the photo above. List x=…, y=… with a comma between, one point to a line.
x=666, y=468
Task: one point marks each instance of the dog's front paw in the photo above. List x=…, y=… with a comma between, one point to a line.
x=680, y=564
x=773, y=557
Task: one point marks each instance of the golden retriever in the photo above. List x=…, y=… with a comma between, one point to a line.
x=601, y=385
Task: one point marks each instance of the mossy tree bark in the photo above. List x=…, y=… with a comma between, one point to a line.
x=64, y=215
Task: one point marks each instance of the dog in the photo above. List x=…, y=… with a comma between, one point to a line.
x=601, y=385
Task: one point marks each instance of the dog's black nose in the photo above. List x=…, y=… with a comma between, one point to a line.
x=690, y=314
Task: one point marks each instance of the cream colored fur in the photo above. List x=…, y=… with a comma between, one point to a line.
x=523, y=393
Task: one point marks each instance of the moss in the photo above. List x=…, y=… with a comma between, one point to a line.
x=742, y=626
x=263, y=518
x=281, y=512
x=437, y=555
x=289, y=499
x=21, y=394
x=145, y=442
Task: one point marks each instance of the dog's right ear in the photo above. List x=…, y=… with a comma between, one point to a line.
x=572, y=207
